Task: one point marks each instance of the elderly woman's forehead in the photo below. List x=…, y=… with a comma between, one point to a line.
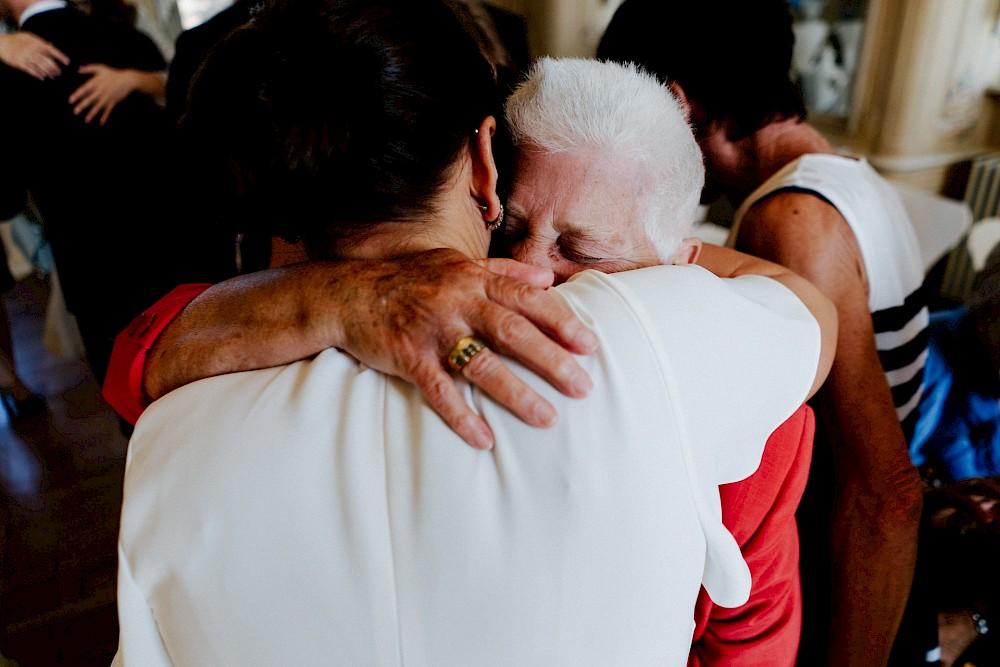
x=587, y=187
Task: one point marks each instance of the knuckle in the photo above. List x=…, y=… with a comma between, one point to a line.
x=439, y=389
x=501, y=287
x=484, y=365
x=564, y=366
x=512, y=329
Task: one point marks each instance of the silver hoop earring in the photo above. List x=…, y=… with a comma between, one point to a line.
x=494, y=225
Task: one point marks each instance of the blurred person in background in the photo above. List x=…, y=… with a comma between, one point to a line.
x=95, y=166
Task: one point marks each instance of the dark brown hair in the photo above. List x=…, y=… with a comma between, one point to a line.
x=338, y=114
x=733, y=57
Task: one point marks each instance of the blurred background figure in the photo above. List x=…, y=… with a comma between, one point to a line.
x=92, y=154
x=824, y=59
x=959, y=545
x=957, y=436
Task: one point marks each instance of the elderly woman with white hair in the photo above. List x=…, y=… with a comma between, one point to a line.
x=601, y=142
x=611, y=183
x=321, y=511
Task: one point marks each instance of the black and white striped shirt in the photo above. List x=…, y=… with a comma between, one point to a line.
x=885, y=235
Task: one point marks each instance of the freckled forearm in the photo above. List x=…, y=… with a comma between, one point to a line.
x=254, y=321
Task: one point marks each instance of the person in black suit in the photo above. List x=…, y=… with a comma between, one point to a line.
x=98, y=187
x=224, y=254
x=194, y=45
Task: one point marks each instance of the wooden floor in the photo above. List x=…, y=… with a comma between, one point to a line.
x=60, y=495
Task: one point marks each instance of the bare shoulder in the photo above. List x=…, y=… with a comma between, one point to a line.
x=806, y=234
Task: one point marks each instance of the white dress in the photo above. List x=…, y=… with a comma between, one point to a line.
x=321, y=513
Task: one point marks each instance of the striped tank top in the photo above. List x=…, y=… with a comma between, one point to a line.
x=891, y=257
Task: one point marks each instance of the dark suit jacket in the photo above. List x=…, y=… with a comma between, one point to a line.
x=194, y=45
x=51, y=143
x=100, y=190
x=211, y=210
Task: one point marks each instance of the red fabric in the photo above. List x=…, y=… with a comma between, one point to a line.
x=760, y=512
x=123, y=383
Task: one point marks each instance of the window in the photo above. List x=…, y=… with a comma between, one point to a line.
x=828, y=35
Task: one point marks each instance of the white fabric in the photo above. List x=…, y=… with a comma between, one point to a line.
x=61, y=335
x=894, y=268
x=39, y=7
x=872, y=208
x=321, y=513
x=939, y=222
x=983, y=239
x=162, y=28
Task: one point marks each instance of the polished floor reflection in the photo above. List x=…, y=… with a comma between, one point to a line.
x=60, y=494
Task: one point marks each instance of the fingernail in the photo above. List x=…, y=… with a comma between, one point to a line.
x=482, y=438
x=545, y=415
x=582, y=384
x=589, y=339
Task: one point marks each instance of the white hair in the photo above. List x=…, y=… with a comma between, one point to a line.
x=568, y=105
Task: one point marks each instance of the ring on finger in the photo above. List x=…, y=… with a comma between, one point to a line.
x=463, y=352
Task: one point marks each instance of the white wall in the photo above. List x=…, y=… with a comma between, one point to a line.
x=564, y=27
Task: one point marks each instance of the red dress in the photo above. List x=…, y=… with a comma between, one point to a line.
x=760, y=513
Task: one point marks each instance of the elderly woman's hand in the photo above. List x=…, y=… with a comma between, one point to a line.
x=411, y=312
x=400, y=316
x=32, y=55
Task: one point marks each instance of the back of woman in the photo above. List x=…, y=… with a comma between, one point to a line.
x=323, y=509
x=322, y=512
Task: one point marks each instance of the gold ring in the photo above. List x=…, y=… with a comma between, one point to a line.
x=463, y=352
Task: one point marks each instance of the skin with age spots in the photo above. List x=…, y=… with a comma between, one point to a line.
x=581, y=210
x=571, y=212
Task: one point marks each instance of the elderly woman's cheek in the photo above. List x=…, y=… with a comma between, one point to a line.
x=531, y=252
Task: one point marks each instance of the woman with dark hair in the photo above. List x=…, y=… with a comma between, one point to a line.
x=322, y=512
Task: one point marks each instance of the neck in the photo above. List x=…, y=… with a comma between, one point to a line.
x=776, y=144
x=396, y=239
x=455, y=222
x=17, y=8
x=457, y=225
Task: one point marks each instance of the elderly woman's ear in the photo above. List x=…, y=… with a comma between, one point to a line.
x=687, y=252
x=484, y=169
x=678, y=92
x=694, y=113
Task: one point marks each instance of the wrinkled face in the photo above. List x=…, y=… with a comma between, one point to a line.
x=572, y=212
